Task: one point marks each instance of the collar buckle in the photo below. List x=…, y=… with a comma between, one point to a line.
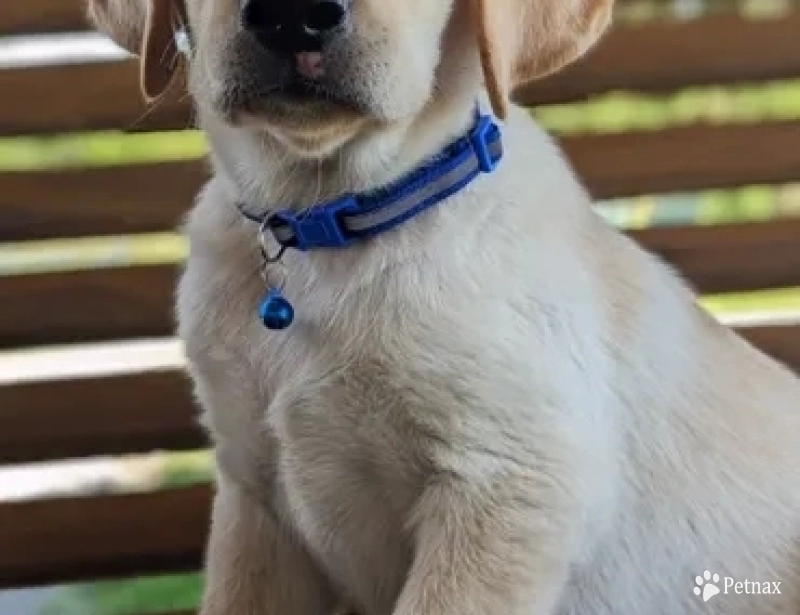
x=319, y=227
x=480, y=138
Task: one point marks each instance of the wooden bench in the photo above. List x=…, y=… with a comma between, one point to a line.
x=58, y=540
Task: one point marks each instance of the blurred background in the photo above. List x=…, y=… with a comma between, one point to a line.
x=50, y=148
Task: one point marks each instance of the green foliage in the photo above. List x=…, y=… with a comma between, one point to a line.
x=624, y=111
x=98, y=149
x=128, y=597
x=777, y=300
x=91, y=252
x=188, y=469
x=750, y=204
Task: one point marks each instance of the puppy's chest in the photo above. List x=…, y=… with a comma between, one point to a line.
x=349, y=439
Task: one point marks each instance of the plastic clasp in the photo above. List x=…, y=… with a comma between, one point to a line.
x=480, y=138
x=320, y=227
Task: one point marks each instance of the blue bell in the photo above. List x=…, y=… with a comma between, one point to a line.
x=275, y=311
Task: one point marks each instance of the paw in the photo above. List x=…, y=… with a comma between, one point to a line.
x=709, y=588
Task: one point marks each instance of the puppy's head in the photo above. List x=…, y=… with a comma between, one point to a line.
x=313, y=73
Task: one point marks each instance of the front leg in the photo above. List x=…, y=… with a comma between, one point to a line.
x=254, y=566
x=499, y=545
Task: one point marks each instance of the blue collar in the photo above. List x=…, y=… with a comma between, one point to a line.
x=339, y=223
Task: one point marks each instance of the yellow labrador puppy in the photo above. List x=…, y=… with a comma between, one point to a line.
x=437, y=382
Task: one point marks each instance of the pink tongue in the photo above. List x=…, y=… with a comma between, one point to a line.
x=309, y=64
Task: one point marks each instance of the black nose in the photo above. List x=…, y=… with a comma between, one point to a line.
x=291, y=26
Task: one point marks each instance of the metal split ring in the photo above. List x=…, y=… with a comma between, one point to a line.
x=262, y=240
x=271, y=262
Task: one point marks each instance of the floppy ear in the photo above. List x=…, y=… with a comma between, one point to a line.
x=521, y=40
x=145, y=28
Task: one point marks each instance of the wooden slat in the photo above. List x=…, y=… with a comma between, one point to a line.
x=74, y=539
x=88, y=96
x=113, y=200
x=137, y=302
x=782, y=342
x=109, y=536
x=730, y=257
x=663, y=56
x=33, y=16
x=112, y=303
x=686, y=158
x=152, y=197
x=657, y=57
x=130, y=413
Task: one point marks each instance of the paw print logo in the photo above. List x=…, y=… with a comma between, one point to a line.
x=706, y=585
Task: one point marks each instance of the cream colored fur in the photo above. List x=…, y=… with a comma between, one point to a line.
x=503, y=407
